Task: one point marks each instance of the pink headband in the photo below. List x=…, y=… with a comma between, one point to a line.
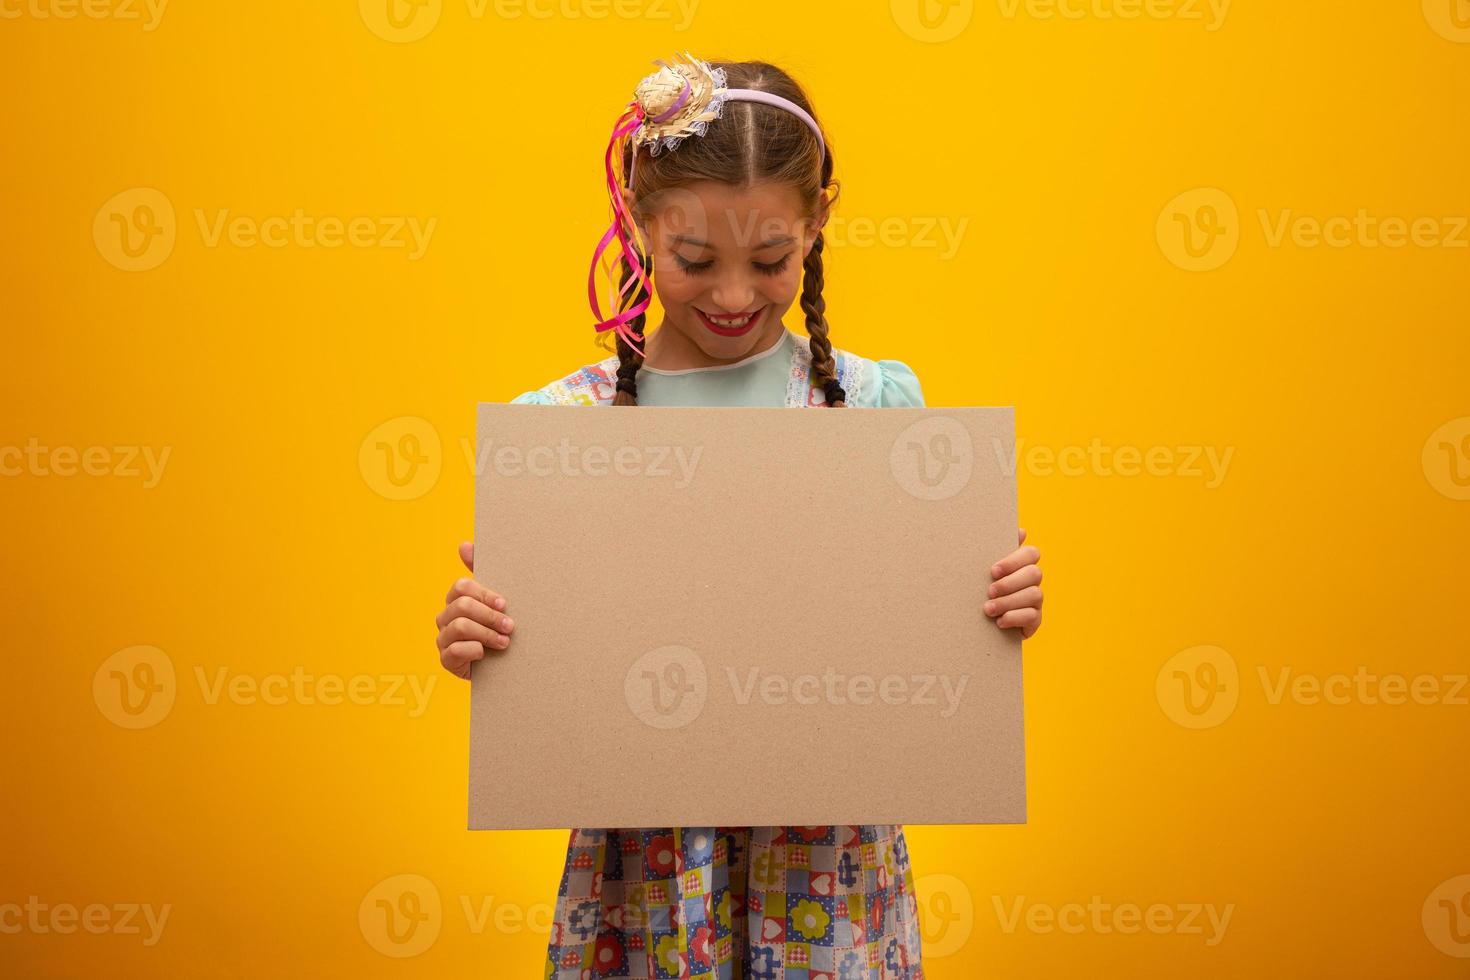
x=676, y=102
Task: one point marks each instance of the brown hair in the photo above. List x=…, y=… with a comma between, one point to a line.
x=750, y=143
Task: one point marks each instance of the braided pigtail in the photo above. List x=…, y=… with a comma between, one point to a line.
x=824, y=365
x=629, y=360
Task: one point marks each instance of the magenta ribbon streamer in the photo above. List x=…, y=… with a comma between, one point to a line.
x=625, y=231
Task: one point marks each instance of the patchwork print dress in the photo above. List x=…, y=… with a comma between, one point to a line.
x=740, y=903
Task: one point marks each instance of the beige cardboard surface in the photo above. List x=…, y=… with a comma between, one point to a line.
x=745, y=617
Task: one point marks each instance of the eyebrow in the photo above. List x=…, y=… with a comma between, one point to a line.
x=768, y=243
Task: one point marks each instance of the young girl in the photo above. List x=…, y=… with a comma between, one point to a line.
x=719, y=177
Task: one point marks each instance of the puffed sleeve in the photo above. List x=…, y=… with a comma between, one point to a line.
x=532, y=398
x=898, y=386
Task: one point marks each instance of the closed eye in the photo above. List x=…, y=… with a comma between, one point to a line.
x=765, y=268
x=687, y=266
x=774, y=268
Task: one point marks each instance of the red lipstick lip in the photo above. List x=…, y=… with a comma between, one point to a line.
x=755, y=317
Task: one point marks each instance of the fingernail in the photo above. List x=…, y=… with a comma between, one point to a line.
x=991, y=593
x=994, y=570
x=499, y=602
x=990, y=609
x=508, y=624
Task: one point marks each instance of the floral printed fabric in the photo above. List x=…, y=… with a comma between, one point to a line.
x=737, y=903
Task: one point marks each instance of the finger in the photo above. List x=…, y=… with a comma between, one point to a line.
x=467, y=555
x=473, y=589
x=1021, y=556
x=1022, y=537
x=1026, y=620
x=467, y=629
x=1017, y=580
x=471, y=608
x=457, y=657
x=1029, y=597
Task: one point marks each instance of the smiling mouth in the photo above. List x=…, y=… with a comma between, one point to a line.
x=727, y=325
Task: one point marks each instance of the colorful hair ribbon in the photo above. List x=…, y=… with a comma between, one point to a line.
x=624, y=230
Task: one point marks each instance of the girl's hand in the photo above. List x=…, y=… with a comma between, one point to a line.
x=1015, y=595
x=472, y=620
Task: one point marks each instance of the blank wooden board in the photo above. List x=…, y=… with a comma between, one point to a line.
x=745, y=617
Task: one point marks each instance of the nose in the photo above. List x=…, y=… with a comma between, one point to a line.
x=734, y=293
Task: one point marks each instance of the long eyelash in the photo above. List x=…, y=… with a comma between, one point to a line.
x=775, y=268
x=686, y=266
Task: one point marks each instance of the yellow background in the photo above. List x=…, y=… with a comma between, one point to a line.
x=1335, y=540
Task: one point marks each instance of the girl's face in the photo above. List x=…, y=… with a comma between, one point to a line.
x=727, y=266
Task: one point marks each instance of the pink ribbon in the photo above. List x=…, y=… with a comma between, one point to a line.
x=624, y=230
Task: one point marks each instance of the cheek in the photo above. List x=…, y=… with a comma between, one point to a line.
x=783, y=288
x=674, y=286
